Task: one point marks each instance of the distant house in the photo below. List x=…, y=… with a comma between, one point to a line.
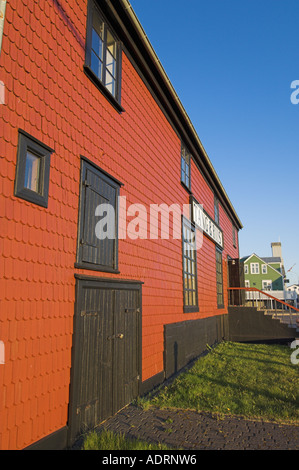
x=268, y=274
x=293, y=294
x=263, y=273
x=293, y=288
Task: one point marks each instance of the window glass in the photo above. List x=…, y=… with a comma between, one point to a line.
x=189, y=267
x=185, y=166
x=32, y=172
x=97, y=47
x=219, y=278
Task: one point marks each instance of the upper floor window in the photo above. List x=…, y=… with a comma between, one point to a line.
x=103, y=54
x=245, y=268
x=264, y=269
x=254, y=268
x=185, y=167
x=234, y=237
x=32, y=170
x=216, y=210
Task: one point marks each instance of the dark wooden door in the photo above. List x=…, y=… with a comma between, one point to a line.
x=106, y=358
x=235, y=279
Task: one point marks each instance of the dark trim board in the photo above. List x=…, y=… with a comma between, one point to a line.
x=151, y=383
x=247, y=324
x=55, y=441
x=185, y=341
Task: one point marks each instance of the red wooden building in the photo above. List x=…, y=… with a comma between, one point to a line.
x=89, y=117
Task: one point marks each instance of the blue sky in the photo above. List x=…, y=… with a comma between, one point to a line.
x=232, y=64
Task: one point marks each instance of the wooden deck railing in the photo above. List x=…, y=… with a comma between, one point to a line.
x=263, y=301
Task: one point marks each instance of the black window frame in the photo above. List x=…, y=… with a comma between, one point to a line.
x=93, y=9
x=216, y=210
x=185, y=153
x=28, y=143
x=219, y=272
x=106, y=177
x=187, y=262
x=234, y=236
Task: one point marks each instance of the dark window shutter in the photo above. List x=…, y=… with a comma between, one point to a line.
x=97, y=189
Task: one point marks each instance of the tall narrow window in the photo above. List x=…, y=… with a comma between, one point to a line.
x=216, y=210
x=219, y=278
x=234, y=236
x=264, y=269
x=185, y=167
x=32, y=170
x=103, y=54
x=189, y=268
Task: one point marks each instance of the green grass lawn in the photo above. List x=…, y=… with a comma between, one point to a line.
x=251, y=380
x=107, y=440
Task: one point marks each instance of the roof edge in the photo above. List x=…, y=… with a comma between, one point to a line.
x=147, y=44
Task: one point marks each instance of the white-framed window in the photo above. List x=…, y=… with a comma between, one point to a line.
x=264, y=269
x=267, y=285
x=247, y=283
x=254, y=268
x=245, y=268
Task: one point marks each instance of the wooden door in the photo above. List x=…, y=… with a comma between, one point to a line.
x=106, y=356
x=236, y=279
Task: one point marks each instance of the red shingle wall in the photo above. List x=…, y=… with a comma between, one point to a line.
x=48, y=95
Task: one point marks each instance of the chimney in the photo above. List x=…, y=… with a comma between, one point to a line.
x=276, y=250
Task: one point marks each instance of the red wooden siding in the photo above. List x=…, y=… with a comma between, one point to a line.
x=48, y=95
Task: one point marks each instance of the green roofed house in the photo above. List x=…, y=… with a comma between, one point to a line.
x=266, y=274
x=263, y=273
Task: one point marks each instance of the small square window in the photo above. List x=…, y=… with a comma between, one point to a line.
x=32, y=170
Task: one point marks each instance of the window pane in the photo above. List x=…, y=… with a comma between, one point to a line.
x=110, y=83
x=96, y=65
x=111, y=44
x=32, y=171
x=110, y=64
x=97, y=44
x=98, y=25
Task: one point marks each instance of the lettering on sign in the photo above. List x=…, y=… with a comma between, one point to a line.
x=204, y=222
